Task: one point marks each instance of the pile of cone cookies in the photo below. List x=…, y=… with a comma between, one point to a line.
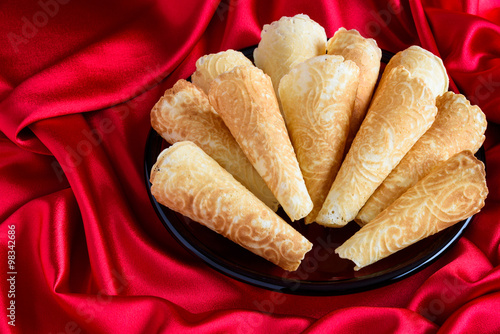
x=311, y=128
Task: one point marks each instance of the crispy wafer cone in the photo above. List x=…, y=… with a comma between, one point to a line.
x=404, y=110
x=458, y=126
x=421, y=64
x=244, y=98
x=287, y=42
x=367, y=55
x=454, y=190
x=317, y=97
x=188, y=181
x=184, y=113
x=211, y=66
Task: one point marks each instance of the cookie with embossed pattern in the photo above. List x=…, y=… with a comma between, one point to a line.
x=211, y=66
x=458, y=126
x=188, y=181
x=404, y=110
x=367, y=55
x=287, y=42
x=421, y=64
x=245, y=100
x=184, y=113
x=453, y=191
x=318, y=97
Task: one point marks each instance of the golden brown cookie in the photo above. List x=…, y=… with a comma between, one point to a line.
x=188, y=181
x=402, y=113
x=367, y=55
x=421, y=64
x=458, y=126
x=184, y=113
x=245, y=100
x=287, y=42
x=317, y=97
x=454, y=190
x=211, y=66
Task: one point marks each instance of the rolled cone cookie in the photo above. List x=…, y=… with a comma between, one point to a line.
x=367, y=55
x=184, y=113
x=403, y=112
x=454, y=190
x=245, y=100
x=188, y=181
x=458, y=126
x=317, y=97
x=212, y=65
x=421, y=64
x=287, y=42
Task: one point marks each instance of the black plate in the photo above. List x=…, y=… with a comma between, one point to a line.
x=322, y=272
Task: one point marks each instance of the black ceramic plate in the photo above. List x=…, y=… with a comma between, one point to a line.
x=322, y=272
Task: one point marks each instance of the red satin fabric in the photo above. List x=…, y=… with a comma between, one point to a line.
x=77, y=82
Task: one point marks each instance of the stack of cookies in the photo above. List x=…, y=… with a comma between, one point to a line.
x=311, y=129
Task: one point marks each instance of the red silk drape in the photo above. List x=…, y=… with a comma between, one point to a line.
x=77, y=82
